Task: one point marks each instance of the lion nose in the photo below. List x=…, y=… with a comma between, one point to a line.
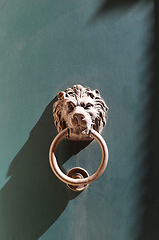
x=78, y=119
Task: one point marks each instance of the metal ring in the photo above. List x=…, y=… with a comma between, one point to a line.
x=72, y=181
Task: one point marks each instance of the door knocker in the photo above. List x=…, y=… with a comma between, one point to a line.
x=79, y=114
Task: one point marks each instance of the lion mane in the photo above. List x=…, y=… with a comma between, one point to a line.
x=81, y=109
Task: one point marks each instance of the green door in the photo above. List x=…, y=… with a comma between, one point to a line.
x=48, y=46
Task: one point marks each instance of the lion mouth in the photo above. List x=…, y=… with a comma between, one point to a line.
x=79, y=129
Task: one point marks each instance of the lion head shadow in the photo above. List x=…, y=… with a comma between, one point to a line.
x=34, y=198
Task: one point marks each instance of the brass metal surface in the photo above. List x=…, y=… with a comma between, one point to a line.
x=78, y=181
x=77, y=173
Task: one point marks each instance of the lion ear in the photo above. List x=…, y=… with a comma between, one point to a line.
x=61, y=95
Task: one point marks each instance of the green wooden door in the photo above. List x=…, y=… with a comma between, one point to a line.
x=48, y=46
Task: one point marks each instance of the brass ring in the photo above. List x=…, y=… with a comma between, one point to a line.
x=83, y=181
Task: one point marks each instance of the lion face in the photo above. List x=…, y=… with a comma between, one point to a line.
x=79, y=109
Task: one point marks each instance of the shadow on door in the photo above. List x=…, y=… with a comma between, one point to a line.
x=34, y=197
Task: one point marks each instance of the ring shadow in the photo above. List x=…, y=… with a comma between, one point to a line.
x=34, y=198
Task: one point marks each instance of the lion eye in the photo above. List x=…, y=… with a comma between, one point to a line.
x=88, y=105
x=70, y=106
x=83, y=104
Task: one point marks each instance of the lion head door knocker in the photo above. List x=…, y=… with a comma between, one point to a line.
x=79, y=114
